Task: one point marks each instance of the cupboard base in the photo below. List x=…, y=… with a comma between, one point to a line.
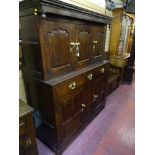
x=44, y=130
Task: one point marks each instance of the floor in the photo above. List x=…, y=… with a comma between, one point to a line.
x=112, y=132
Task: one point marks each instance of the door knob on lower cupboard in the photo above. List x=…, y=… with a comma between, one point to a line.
x=95, y=97
x=82, y=109
x=83, y=105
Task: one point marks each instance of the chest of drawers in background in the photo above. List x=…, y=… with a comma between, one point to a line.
x=27, y=141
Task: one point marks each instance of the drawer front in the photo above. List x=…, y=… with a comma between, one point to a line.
x=100, y=71
x=22, y=126
x=67, y=89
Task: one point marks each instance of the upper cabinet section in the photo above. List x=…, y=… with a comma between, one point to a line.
x=58, y=39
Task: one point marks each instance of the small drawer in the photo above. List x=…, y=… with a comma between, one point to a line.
x=67, y=88
x=98, y=72
x=21, y=126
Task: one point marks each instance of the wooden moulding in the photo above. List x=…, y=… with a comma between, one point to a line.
x=37, y=7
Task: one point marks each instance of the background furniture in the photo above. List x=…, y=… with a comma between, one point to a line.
x=121, y=37
x=64, y=69
x=27, y=141
x=130, y=64
x=113, y=81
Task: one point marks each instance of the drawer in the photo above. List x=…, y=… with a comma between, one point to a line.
x=22, y=126
x=100, y=71
x=70, y=87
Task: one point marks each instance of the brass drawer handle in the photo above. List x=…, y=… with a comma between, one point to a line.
x=28, y=142
x=102, y=70
x=90, y=76
x=72, y=85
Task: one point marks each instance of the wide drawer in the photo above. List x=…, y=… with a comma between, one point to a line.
x=66, y=89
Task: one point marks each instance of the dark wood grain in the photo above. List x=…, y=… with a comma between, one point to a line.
x=65, y=76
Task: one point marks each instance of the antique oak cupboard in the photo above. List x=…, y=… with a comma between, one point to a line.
x=63, y=66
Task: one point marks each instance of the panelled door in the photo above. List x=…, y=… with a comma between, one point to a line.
x=83, y=44
x=98, y=41
x=70, y=115
x=59, y=37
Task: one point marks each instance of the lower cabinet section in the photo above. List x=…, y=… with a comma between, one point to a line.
x=64, y=107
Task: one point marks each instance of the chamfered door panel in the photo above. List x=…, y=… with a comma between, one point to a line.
x=70, y=113
x=98, y=41
x=59, y=35
x=70, y=107
x=83, y=38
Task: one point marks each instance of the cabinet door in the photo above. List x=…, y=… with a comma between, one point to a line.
x=98, y=93
x=83, y=50
x=59, y=36
x=86, y=102
x=98, y=41
x=70, y=115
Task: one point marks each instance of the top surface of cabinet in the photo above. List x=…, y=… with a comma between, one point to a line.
x=24, y=109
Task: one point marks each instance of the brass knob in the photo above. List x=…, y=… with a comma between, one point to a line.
x=72, y=85
x=90, y=76
x=35, y=12
x=83, y=105
x=82, y=109
x=95, y=97
x=102, y=70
